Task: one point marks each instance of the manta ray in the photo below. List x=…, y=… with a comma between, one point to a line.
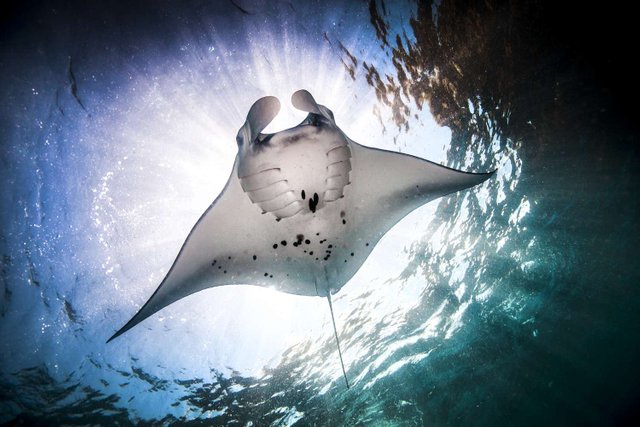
x=301, y=211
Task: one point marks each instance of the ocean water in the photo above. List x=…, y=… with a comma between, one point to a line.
x=513, y=303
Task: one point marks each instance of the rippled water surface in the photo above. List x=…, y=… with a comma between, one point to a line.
x=512, y=303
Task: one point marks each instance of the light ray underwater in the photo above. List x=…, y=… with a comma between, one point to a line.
x=302, y=209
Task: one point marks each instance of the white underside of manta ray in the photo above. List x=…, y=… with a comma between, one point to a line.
x=302, y=209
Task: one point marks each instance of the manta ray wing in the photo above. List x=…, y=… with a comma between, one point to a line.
x=389, y=185
x=214, y=254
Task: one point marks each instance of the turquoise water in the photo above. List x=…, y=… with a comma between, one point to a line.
x=514, y=303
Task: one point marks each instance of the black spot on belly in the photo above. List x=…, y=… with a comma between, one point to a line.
x=283, y=243
x=229, y=257
x=311, y=253
x=313, y=202
x=342, y=214
x=304, y=196
x=317, y=234
x=213, y=263
x=366, y=244
x=225, y=271
x=255, y=257
x=275, y=245
x=307, y=241
x=266, y=274
x=330, y=246
x=344, y=221
x=300, y=237
x=351, y=253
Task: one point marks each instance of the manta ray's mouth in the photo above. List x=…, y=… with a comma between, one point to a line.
x=315, y=120
x=264, y=138
x=265, y=109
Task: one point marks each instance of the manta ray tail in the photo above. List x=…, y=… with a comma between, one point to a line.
x=335, y=331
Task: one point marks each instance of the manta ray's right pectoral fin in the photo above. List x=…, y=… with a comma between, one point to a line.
x=211, y=255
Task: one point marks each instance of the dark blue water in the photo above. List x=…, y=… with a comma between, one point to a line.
x=513, y=303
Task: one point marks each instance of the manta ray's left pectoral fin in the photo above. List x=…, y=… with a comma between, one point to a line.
x=391, y=184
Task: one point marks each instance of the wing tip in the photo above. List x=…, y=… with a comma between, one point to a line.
x=114, y=336
x=122, y=330
x=477, y=178
x=489, y=174
x=141, y=315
